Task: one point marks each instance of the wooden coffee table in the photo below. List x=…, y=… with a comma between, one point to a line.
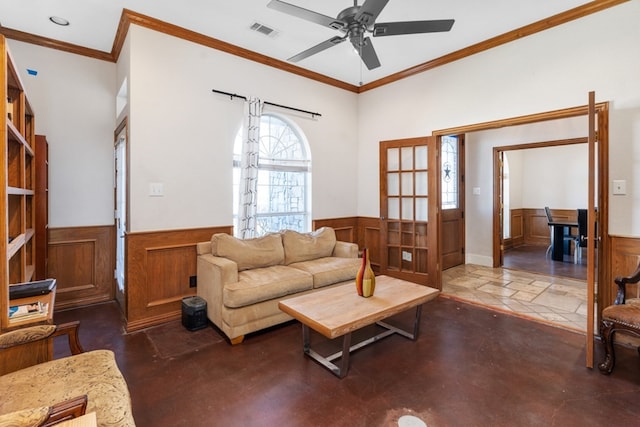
x=338, y=311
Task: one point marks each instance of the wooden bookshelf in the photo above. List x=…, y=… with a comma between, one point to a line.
x=17, y=190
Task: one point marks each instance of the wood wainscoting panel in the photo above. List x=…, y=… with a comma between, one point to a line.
x=159, y=266
x=536, y=228
x=517, y=229
x=369, y=237
x=82, y=260
x=346, y=228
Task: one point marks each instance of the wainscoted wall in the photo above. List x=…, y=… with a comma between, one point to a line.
x=517, y=229
x=159, y=268
x=82, y=260
x=159, y=265
x=529, y=225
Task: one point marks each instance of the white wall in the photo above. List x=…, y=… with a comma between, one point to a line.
x=548, y=71
x=549, y=176
x=556, y=177
x=182, y=134
x=515, y=178
x=73, y=100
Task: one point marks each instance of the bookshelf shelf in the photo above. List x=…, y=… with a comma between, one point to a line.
x=17, y=193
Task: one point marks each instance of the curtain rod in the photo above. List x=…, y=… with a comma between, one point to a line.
x=235, y=95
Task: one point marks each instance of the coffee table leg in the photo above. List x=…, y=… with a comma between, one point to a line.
x=339, y=371
x=346, y=350
x=416, y=327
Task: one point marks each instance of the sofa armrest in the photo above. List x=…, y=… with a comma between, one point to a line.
x=213, y=274
x=345, y=250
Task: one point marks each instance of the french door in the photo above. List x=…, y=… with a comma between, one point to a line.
x=452, y=200
x=409, y=209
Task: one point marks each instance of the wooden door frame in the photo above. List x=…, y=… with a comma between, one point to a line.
x=123, y=127
x=498, y=246
x=605, y=294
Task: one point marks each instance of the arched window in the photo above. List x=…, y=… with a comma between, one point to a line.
x=284, y=177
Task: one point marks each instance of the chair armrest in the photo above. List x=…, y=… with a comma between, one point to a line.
x=67, y=410
x=70, y=329
x=25, y=335
x=345, y=250
x=622, y=281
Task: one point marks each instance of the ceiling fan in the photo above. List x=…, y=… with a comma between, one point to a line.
x=355, y=22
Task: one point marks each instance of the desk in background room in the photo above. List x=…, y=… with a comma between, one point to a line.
x=560, y=230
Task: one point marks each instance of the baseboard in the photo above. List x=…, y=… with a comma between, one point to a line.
x=485, y=261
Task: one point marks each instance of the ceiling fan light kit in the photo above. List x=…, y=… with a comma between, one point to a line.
x=355, y=22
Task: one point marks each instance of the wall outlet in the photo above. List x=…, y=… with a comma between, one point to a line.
x=476, y=191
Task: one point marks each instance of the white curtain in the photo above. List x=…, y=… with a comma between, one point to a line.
x=249, y=169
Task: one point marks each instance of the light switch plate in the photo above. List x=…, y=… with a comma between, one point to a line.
x=156, y=189
x=476, y=191
x=619, y=187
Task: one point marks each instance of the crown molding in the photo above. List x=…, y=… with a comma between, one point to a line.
x=129, y=17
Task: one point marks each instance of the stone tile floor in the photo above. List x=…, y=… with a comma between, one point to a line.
x=557, y=300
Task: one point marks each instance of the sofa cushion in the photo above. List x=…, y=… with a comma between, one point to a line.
x=260, y=252
x=330, y=270
x=262, y=284
x=300, y=247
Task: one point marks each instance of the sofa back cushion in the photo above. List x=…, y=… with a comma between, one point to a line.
x=260, y=252
x=300, y=247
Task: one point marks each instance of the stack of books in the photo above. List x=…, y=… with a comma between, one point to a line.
x=28, y=311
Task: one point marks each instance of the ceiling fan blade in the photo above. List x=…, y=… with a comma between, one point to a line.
x=367, y=53
x=411, y=27
x=317, y=48
x=369, y=11
x=306, y=14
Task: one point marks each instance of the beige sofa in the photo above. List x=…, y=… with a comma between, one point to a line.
x=243, y=280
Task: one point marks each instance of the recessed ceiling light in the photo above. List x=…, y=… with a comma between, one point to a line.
x=59, y=21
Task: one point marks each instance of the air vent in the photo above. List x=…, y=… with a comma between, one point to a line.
x=263, y=29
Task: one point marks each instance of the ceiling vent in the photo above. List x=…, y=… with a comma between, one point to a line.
x=263, y=29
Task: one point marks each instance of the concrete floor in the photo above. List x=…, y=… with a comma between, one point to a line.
x=470, y=366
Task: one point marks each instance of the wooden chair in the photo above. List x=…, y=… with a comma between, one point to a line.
x=39, y=391
x=30, y=346
x=622, y=316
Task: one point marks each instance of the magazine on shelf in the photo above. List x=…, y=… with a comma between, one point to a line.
x=27, y=311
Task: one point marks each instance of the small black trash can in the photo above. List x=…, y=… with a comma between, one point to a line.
x=194, y=313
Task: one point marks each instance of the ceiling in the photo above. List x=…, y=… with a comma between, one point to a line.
x=94, y=24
